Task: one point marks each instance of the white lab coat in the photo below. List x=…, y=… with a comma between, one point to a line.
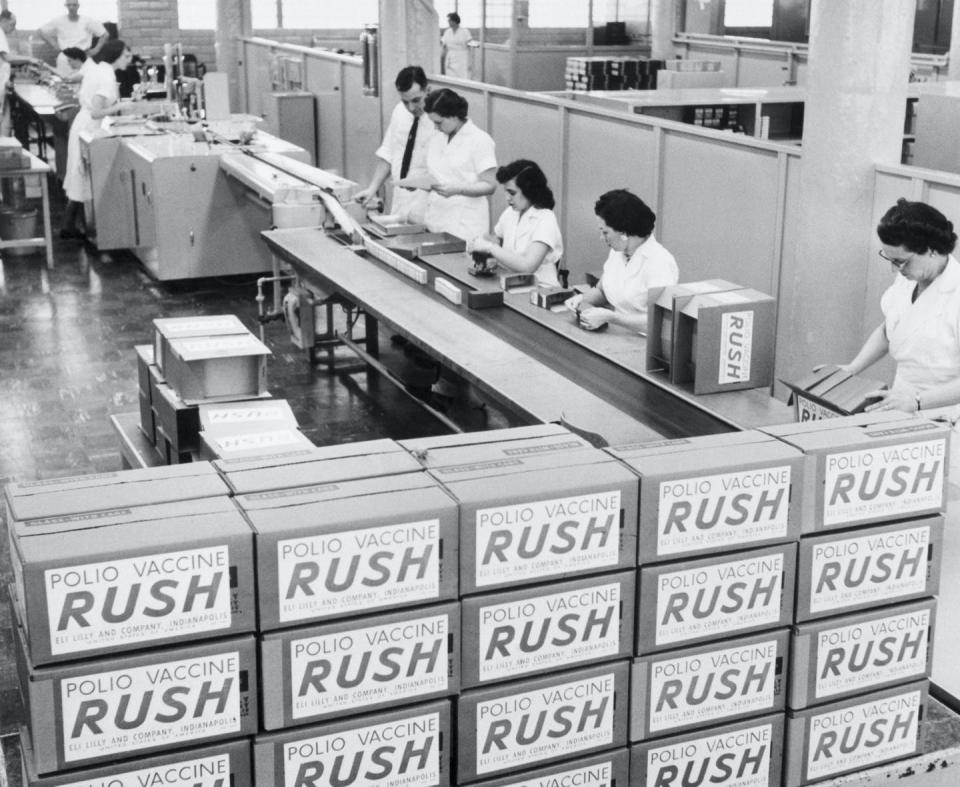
x=457, y=63
x=625, y=282
x=100, y=80
x=460, y=159
x=519, y=231
x=407, y=203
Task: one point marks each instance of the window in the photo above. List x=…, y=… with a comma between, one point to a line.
x=471, y=12
x=33, y=15
x=572, y=13
x=197, y=14
x=313, y=14
x=748, y=13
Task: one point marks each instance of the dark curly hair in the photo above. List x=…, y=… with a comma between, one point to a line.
x=447, y=104
x=111, y=51
x=918, y=227
x=530, y=180
x=623, y=211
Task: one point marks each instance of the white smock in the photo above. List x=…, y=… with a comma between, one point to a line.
x=625, y=282
x=68, y=33
x=409, y=204
x=519, y=230
x=457, y=63
x=100, y=80
x=460, y=159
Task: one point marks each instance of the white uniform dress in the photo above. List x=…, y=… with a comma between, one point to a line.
x=457, y=63
x=625, y=282
x=460, y=159
x=409, y=204
x=100, y=80
x=518, y=231
x=68, y=33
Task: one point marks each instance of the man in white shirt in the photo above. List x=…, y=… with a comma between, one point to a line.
x=71, y=30
x=403, y=152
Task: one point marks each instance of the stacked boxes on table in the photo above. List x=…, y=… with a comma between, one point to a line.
x=718, y=521
x=868, y=568
x=135, y=601
x=612, y=73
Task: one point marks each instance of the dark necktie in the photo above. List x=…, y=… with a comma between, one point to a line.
x=408, y=150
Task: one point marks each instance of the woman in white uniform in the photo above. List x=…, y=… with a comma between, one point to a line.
x=636, y=263
x=453, y=48
x=99, y=97
x=921, y=313
x=527, y=237
x=462, y=163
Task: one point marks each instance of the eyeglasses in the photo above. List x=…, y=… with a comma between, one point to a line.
x=896, y=262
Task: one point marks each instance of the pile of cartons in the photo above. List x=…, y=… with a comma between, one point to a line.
x=612, y=73
x=499, y=608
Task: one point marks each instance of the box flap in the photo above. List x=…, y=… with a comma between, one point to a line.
x=199, y=325
x=682, y=444
x=207, y=347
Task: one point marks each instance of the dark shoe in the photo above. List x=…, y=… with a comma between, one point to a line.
x=71, y=234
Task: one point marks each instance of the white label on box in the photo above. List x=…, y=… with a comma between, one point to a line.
x=858, y=656
x=726, y=509
x=184, y=325
x=877, y=482
x=719, y=599
x=548, y=537
x=740, y=758
x=358, y=570
x=704, y=688
x=558, y=721
x=857, y=736
x=203, y=772
x=535, y=634
x=237, y=343
x=365, y=666
x=600, y=774
x=808, y=410
x=869, y=569
x=164, y=704
x=139, y=599
x=736, y=347
x=399, y=753
x=238, y=415
x=253, y=440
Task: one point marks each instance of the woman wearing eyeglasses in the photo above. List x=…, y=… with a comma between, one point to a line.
x=636, y=263
x=921, y=312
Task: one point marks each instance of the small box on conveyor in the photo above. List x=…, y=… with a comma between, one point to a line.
x=550, y=297
x=389, y=224
x=424, y=244
x=473, y=297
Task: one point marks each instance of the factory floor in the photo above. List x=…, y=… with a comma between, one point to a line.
x=67, y=364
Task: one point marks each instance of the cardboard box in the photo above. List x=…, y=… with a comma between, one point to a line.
x=714, y=498
x=830, y=392
x=360, y=546
x=148, y=425
x=550, y=297
x=144, y=362
x=421, y=446
x=212, y=368
x=179, y=422
x=387, y=224
x=226, y=763
x=866, y=651
x=135, y=584
x=317, y=466
x=525, y=520
x=101, y=710
x=724, y=341
x=692, y=601
x=854, y=734
x=708, y=685
x=534, y=722
x=526, y=632
x=67, y=497
x=462, y=458
x=247, y=416
x=743, y=753
x=399, y=748
x=867, y=567
x=876, y=472
x=359, y=665
x=268, y=444
x=196, y=325
x=602, y=770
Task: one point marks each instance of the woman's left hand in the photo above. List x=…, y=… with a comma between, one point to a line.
x=892, y=400
x=593, y=317
x=446, y=189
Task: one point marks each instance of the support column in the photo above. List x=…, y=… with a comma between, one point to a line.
x=663, y=15
x=409, y=35
x=953, y=67
x=853, y=118
x=233, y=22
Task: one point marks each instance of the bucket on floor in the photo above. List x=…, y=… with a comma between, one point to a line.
x=16, y=224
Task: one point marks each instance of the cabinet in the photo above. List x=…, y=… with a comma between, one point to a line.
x=292, y=117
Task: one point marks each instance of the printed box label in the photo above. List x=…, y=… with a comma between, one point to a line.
x=203, y=772
x=736, y=347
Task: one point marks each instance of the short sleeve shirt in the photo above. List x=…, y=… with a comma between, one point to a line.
x=518, y=231
x=625, y=282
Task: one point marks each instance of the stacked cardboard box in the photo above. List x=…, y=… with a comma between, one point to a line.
x=718, y=520
x=868, y=568
x=612, y=73
x=134, y=636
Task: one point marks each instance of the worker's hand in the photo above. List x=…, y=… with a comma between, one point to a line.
x=593, y=317
x=482, y=244
x=367, y=197
x=574, y=301
x=903, y=401
x=446, y=189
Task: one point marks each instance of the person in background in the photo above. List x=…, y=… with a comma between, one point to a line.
x=403, y=151
x=78, y=64
x=462, y=166
x=454, y=54
x=17, y=52
x=636, y=263
x=72, y=29
x=99, y=97
x=527, y=235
